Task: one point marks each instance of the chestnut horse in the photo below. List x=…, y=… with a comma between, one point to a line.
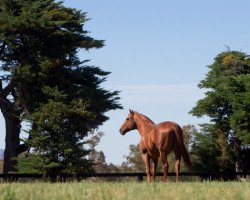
x=157, y=140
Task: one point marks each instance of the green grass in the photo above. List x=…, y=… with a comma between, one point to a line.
x=126, y=190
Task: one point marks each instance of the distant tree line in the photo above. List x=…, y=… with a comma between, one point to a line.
x=208, y=154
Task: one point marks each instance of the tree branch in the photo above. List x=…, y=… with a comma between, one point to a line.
x=23, y=148
x=4, y=92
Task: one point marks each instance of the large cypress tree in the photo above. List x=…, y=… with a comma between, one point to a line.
x=227, y=101
x=47, y=84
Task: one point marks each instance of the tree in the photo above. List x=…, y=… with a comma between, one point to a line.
x=189, y=132
x=97, y=157
x=227, y=100
x=210, y=150
x=189, y=135
x=34, y=164
x=134, y=160
x=47, y=84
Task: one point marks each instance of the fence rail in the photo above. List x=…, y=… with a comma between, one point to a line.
x=140, y=176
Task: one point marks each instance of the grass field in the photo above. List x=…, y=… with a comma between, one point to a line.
x=126, y=190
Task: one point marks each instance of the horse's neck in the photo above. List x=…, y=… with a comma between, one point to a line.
x=144, y=124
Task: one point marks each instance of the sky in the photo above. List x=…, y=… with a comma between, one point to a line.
x=157, y=53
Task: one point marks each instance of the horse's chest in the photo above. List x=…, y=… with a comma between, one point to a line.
x=149, y=144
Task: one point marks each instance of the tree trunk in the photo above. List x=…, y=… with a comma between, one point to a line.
x=238, y=161
x=237, y=152
x=13, y=126
x=11, y=143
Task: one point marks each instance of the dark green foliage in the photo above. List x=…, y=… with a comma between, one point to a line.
x=57, y=94
x=211, y=151
x=227, y=103
x=228, y=94
x=240, y=118
x=34, y=164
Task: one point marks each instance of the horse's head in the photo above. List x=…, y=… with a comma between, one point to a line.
x=129, y=123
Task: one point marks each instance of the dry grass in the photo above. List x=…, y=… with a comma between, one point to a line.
x=126, y=190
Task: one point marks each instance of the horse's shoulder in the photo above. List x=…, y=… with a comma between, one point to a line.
x=142, y=147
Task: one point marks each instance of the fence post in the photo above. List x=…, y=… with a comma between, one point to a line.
x=140, y=178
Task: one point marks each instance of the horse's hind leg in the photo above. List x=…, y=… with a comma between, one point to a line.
x=177, y=165
x=165, y=166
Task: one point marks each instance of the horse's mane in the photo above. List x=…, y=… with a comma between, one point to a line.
x=144, y=117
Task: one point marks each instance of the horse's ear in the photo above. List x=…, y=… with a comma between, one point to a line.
x=131, y=111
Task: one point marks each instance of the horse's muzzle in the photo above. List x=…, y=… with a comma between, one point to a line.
x=122, y=132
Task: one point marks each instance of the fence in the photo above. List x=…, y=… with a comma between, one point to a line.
x=210, y=175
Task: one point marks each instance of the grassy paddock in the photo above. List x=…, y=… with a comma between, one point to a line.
x=125, y=190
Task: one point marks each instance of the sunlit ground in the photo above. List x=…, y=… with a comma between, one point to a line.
x=126, y=190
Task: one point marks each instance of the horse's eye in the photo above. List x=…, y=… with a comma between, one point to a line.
x=127, y=119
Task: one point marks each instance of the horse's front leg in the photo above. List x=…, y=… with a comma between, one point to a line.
x=146, y=159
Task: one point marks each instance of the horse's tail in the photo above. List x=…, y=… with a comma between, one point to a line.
x=185, y=154
x=183, y=150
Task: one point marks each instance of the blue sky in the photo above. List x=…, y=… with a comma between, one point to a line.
x=157, y=52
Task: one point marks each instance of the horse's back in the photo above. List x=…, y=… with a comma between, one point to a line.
x=168, y=126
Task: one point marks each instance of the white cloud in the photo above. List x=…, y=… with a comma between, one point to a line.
x=160, y=94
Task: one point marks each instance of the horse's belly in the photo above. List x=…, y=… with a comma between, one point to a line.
x=152, y=149
x=154, y=152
